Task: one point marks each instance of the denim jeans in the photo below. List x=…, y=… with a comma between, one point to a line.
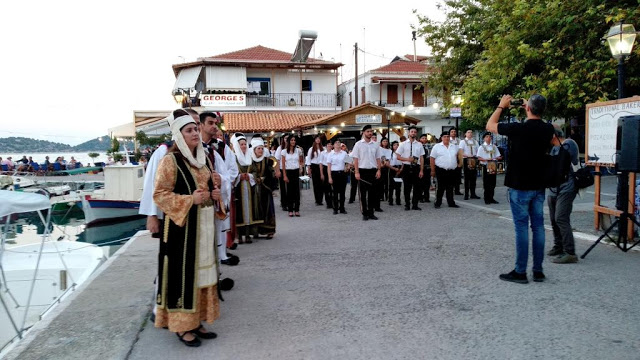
x=525, y=205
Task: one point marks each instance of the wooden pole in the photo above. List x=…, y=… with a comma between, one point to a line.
x=631, y=204
x=596, y=213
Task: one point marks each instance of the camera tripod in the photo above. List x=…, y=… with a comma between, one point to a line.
x=622, y=242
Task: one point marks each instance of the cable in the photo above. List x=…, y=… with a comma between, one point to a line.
x=380, y=56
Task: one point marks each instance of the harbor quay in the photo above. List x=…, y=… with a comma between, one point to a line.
x=412, y=285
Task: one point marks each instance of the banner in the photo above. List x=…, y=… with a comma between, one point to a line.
x=220, y=100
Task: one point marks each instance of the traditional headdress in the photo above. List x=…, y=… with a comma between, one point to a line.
x=176, y=124
x=256, y=142
x=244, y=159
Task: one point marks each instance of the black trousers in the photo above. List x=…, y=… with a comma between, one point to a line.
x=489, y=185
x=446, y=183
x=293, y=190
x=384, y=182
x=339, y=186
x=411, y=180
x=328, y=191
x=283, y=193
x=354, y=187
x=470, y=177
x=368, y=191
x=394, y=186
x=425, y=184
x=318, y=184
x=458, y=179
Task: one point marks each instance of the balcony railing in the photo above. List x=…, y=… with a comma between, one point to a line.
x=293, y=99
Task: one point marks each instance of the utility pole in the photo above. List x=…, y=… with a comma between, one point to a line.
x=356, y=89
x=415, y=56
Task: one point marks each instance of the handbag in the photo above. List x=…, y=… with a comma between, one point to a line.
x=583, y=178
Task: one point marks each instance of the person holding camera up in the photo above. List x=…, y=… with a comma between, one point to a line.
x=410, y=153
x=529, y=142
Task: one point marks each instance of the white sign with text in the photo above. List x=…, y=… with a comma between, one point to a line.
x=218, y=100
x=602, y=127
x=369, y=119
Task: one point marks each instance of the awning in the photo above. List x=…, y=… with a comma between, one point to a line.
x=124, y=130
x=226, y=78
x=16, y=202
x=187, y=78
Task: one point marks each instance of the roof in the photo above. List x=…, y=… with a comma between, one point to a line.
x=418, y=57
x=265, y=122
x=324, y=119
x=402, y=66
x=258, y=56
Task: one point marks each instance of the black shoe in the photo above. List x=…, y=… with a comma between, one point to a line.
x=398, y=202
x=318, y=204
x=373, y=217
x=335, y=212
x=555, y=251
x=379, y=210
x=427, y=201
x=152, y=318
x=192, y=343
x=458, y=193
x=437, y=206
x=350, y=201
x=515, y=277
x=538, y=276
x=329, y=206
x=466, y=197
x=474, y=196
x=390, y=203
x=454, y=206
x=493, y=202
x=226, y=284
x=203, y=335
x=343, y=211
x=407, y=208
x=233, y=246
x=415, y=208
x=365, y=217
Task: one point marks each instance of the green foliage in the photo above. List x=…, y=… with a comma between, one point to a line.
x=488, y=48
x=143, y=139
x=93, y=155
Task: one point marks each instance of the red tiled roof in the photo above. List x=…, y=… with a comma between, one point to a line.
x=265, y=122
x=259, y=53
x=402, y=67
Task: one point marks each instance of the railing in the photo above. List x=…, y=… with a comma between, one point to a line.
x=293, y=99
x=400, y=103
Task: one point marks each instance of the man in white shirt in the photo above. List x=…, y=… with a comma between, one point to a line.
x=337, y=176
x=425, y=182
x=469, y=147
x=366, y=160
x=444, y=162
x=327, y=190
x=411, y=152
x=454, y=140
x=488, y=154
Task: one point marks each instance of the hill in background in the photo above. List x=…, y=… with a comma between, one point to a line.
x=28, y=145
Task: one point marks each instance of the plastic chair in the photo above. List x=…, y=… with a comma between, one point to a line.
x=35, y=166
x=5, y=167
x=78, y=165
x=56, y=166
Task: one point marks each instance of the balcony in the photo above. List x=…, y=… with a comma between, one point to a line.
x=293, y=99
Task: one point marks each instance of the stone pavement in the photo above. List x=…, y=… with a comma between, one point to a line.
x=412, y=285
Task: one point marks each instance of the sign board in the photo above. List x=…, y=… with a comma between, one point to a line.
x=455, y=112
x=219, y=100
x=602, y=126
x=369, y=119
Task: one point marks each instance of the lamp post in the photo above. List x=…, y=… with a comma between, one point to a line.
x=181, y=95
x=620, y=38
x=389, y=127
x=456, y=99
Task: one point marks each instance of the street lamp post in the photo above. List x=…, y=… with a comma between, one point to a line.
x=181, y=95
x=456, y=99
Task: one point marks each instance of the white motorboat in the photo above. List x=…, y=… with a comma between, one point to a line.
x=37, y=276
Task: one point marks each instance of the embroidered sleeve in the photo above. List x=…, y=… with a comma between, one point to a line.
x=175, y=206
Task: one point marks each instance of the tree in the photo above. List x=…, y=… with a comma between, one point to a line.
x=553, y=47
x=114, y=150
x=93, y=156
x=143, y=139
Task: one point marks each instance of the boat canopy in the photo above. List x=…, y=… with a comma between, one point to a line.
x=14, y=202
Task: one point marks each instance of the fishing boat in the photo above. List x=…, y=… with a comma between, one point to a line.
x=121, y=198
x=36, y=276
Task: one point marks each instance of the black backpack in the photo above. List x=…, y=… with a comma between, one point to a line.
x=583, y=178
x=558, y=167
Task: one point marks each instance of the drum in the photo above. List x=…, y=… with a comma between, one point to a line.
x=471, y=163
x=492, y=167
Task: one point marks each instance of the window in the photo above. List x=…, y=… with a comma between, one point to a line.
x=258, y=86
x=306, y=85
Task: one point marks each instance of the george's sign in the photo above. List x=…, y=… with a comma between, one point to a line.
x=223, y=100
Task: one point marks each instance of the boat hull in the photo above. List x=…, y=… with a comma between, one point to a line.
x=101, y=210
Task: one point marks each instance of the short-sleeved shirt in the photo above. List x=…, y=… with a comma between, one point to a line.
x=488, y=151
x=313, y=158
x=410, y=149
x=336, y=160
x=529, y=142
x=292, y=160
x=469, y=147
x=446, y=157
x=278, y=154
x=366, y=153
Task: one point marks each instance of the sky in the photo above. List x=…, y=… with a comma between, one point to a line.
x=73, y=69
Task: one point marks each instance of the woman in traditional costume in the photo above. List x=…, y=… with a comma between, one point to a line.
x=262, y=171
x=246, y=211
x=187, y=266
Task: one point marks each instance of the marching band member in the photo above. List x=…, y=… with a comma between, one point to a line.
x=425, y=182
x=444, y=162
x=488, y=154
x=313, y=162
x=384, y=173
x=366, y=160
x=395, y=172
x=337, y=172
x=411, y=154
x=293, y=162
x=328, y=196
x=454, y=140
x=469, y=147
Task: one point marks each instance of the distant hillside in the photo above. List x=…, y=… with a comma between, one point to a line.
x=28, y=145
x=22, y=144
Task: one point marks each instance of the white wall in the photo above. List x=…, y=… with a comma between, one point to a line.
x=283, y=81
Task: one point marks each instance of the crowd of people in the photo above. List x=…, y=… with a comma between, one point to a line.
x=27, y=164
x=203, y=196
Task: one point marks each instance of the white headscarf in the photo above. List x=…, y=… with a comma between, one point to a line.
x=175, y=125
x=244, y=159
x=255, y=143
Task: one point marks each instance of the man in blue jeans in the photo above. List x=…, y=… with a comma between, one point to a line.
x=529, y=141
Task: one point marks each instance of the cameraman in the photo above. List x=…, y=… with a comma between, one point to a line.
x=528, y=143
